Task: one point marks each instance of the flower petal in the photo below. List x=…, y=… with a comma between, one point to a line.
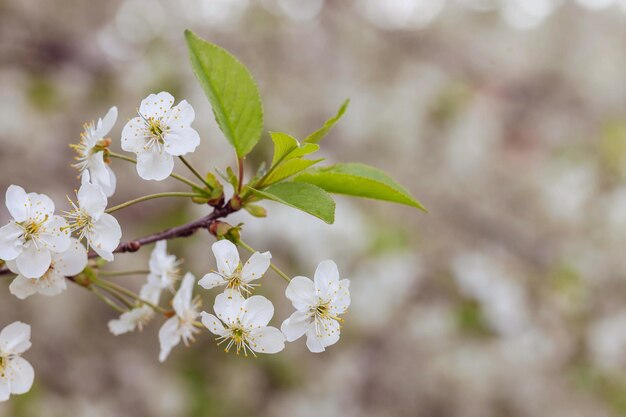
x=109, y=189
x=169, y=336
x=156, y=105
x=228, y=306
x=180, y=116
x=105, y=124
x=326, y=279
x=227, y=257
x=104, y=236
x=15, y=338
x=181, y=141
x=21, y=374
x=23, y=288
x=154, y=165
x=340, y=301
x=17, y=202
x=296, y=325
x=33, y=262
x=56, y=235
x=301, y=293
x=323, y=334
x=10, y=241
x=41, y=206
x=257, y=312
x=211, y=280
x=212, y=323
x=72, y=261
x=267, y=340
x=256, y=266
x=134, y=135
x=151, y=290
x=51, y=284
x=91, y=198
x=182, y=299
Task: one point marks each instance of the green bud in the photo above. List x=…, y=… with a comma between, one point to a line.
x=255, y=210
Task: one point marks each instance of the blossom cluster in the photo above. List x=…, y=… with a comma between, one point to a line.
x=46, y=249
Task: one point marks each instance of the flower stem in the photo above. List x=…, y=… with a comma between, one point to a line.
x=122, y=273
x=240, y=167
x=195, y=172
x=274, y=267
x=173, y=175
x=149, y=197
x=106, y=300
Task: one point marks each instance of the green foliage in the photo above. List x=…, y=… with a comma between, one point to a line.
x=232, y=91
x=289, y=168
x=359, y=180
x=212, y=195
x=318, y=135
x=306, y=197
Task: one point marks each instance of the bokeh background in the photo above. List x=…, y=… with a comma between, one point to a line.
x=506, y=118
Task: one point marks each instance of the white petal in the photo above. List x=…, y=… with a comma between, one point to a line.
x=41, y=206
x=151, y=291
x=33, y=262
x=130, y=320
x=72, y=261
x=98, y=171
x=104, y=236
x=180, y=116
x=227, y=257
x=134, y=135
x=169, y=336
x=211, y=280
x=105, y=124
x=56, y=236
x=5, y=389
x=212, y=323
x=156, y=105
x=23, y=288
x=267, y=340
x=15, y=338
x=296, y=325
x=91, y=198
x=17, y=202
x=313, y=342
x=181, y=141
x=10, y=241
x=257, y=312
x=154, y=165
x=182, y=299
x=326, y=279
x=109, y=189
x=157, y=257
x=325, y=334
x=256, y=266
x=21, y=374
x=229, y=306
x=51, y=284
x=301, y=293
x=340, y=301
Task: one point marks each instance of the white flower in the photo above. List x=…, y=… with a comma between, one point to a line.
x=91, y=155
x=64, y=264
x=163, y=267
x=229, y=271
x=181, y=326
x=159, y=133
x=319, y=304
x=245, y=323
x=33, y=234
x=90, y=222
x=139, y=316
x=16, y=374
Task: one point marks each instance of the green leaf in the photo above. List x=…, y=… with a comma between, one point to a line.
x=361, y=181
x=232, y=91
x=289, y=168
x=287, y=147
x=318, y=135
x=305, y=197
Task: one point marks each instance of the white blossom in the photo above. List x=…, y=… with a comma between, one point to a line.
x=244, y=323
x=318, y=304
x=229, y=270
x=90, y=222
x=164, y=267
x=159, y=133
x=16, y=374
x=33, y=234
x=182, y=325
x=91, y=152
x=52, y=282
x=139, y=316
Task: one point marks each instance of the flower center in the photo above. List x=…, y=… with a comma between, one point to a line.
x=32, y=228
x=156, y=131
x=321, y=314
x=239, y=337
x=237, y=283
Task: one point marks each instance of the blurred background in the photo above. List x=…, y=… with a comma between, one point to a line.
x=506, y=118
